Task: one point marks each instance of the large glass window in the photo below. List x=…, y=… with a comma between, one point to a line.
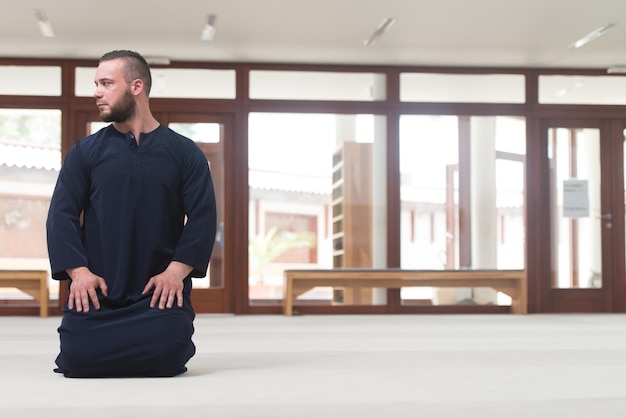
x=30, y=159
x=462, y=195
x=317, y=203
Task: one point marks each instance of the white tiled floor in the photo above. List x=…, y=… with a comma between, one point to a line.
x=344, y=366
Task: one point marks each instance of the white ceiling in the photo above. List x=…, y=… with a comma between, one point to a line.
x=509, y=33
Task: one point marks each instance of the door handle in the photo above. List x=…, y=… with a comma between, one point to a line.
x=609, y=219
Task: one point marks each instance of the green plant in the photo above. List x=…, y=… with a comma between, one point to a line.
x=263, y=249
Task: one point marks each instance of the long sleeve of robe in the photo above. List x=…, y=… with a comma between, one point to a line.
x=126, y=209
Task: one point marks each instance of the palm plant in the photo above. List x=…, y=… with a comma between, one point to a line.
x=263, y=249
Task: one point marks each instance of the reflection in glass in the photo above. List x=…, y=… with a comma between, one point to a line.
x=462, y=196
x=575, y=207
x=30, y=159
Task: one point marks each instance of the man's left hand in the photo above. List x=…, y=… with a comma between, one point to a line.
x=168, y=286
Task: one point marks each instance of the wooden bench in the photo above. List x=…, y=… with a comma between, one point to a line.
x=509, y=282
x=32, y=282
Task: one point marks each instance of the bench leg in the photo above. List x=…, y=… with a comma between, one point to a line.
x=288, y=299
x=518, y=301
x=43, y=298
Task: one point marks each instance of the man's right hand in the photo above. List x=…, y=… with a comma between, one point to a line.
x=83, y=289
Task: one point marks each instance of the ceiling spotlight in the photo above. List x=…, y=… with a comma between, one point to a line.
x=208, y=32
x=380, y=31
x=45, y=27
x=592, y=35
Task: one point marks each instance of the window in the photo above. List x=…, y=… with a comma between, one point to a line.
x=452, y=166
x=311, y=85
x=30, y=159
x=183, y=83
x=27, y=80
x=462, y=88
x=309, y=206
x=593, y=90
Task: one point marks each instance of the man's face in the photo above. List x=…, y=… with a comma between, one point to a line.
x=113, y=94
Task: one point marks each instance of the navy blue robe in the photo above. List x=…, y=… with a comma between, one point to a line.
x=144, y=205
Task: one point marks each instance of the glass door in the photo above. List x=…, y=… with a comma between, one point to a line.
x=586, y=212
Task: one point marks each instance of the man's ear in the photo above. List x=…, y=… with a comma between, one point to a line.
x=136, y=86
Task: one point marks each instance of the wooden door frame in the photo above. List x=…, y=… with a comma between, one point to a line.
x=610, y=297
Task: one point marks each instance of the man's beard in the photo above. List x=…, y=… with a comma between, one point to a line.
x=121, y=111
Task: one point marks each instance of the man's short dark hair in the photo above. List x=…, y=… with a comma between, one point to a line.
x=135, y=66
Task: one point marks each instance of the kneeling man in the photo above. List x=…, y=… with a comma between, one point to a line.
x=131, y=221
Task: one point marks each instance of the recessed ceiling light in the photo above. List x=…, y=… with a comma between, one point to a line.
x=380, y=31
x=592, y=35
x=45, y=27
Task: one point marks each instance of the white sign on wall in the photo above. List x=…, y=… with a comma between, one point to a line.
x=575, y=198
